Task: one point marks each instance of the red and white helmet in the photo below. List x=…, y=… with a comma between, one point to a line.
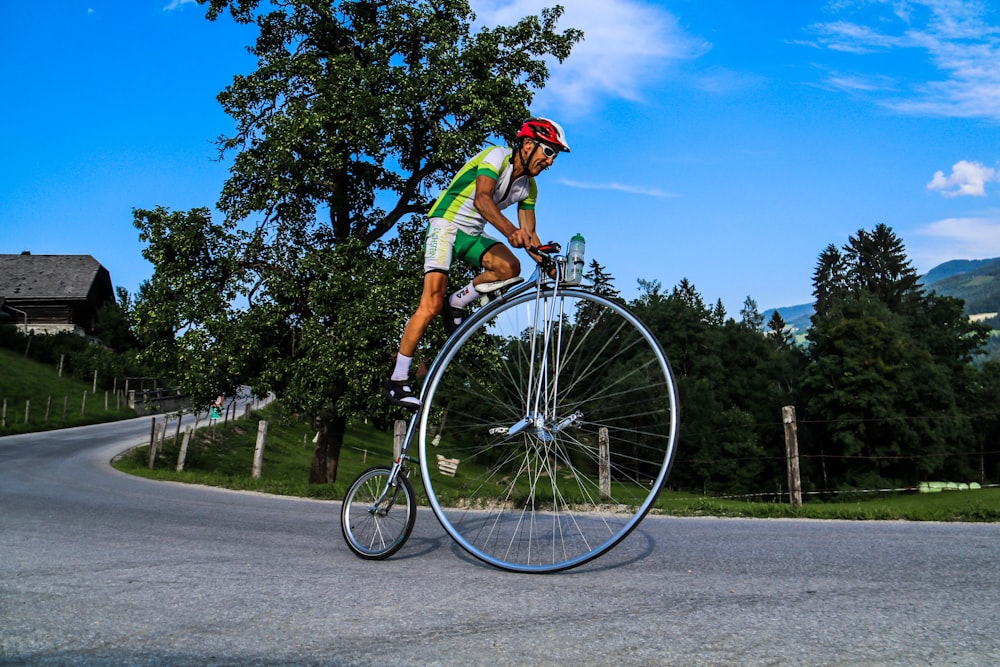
x=543, y=129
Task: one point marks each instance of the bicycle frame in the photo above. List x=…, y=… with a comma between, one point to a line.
x=539, y=281
x=565, y=427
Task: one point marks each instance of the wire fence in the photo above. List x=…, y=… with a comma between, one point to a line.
x=882, y=467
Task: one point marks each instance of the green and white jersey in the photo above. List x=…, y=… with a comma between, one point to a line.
x=456, y=204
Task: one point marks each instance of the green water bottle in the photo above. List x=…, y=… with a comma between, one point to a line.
x=574, y=260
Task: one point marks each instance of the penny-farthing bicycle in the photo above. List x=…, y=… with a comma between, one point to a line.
x=547, y=429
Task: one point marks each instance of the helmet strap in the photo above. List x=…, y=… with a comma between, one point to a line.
x=534, y=149
x=524, y=164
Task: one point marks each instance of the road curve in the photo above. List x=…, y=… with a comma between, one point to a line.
x=100, y=568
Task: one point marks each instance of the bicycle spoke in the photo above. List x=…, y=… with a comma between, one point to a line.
x=562, y=412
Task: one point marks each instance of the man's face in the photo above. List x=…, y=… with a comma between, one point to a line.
x=540, y=154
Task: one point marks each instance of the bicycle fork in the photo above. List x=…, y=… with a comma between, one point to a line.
x=545, y=367
x=387, y=498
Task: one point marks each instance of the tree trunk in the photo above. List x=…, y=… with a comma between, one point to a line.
x=327, y=455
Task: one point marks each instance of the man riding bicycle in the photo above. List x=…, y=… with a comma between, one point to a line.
x=493, y=180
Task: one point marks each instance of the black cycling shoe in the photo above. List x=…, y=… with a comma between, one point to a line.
x=450, y=317
x=398, y=392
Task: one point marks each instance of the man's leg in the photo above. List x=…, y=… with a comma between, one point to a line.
x=499, y=263
x=431, y=299
x=398, y=390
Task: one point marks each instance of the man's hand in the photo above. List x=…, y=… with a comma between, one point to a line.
x=520, y=238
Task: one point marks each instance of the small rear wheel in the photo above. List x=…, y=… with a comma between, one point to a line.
x=376, y=517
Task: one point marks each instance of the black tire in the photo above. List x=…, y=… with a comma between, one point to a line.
x=376, y=522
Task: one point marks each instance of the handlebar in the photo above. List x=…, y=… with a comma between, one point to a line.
x=546, y=249
x=545, y=256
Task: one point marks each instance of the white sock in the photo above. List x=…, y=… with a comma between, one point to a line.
x=464, y=296
x=402, y=369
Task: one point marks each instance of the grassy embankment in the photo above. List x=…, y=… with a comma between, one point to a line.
x=226, y=462
x=36, y=391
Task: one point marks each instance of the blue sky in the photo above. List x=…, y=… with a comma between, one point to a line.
x=713, y=141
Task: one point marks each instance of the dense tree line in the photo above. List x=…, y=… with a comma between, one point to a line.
x=891, y=385
x=885, y=389
x=732, y=378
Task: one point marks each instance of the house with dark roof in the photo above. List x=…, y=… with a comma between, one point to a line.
x=53, y=293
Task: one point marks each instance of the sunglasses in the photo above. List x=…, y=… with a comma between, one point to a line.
x=547, y=151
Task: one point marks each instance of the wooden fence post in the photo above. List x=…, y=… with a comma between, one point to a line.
x=258, y=450
x=163, y=432
x=152, y=443
x=182, y=454
x=604, y=461
x=398, y=433
x=792, y=454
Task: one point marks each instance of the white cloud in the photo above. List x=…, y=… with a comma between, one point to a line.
x=953, y=36
x=854, y=38
x=626, y=46
x=176, y=4
x=854, y=83
x=967, y=179
x=620, y=187
x=957, y=238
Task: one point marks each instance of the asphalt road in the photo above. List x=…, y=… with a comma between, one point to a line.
x=100, y=568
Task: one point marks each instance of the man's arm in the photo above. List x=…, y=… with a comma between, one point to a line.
x=526, y=217
x=517, y=237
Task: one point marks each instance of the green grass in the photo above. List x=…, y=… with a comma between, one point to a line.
x=226, y=462
x=30, y=386
x=982, y=505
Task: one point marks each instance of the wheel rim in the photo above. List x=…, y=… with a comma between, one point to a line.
x=564, y=436
x=370, y=531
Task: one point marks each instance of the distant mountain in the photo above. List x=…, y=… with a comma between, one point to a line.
x=975, y=281
x=956, y=267
x=979, y=286
x=797, y=317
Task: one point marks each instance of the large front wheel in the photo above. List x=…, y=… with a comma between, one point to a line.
x=377, y=517
x=549, y=430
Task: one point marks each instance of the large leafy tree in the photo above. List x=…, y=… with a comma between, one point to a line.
x=357, y=114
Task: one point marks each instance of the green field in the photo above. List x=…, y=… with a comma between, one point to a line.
x=37, y=399
x=226, y=462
